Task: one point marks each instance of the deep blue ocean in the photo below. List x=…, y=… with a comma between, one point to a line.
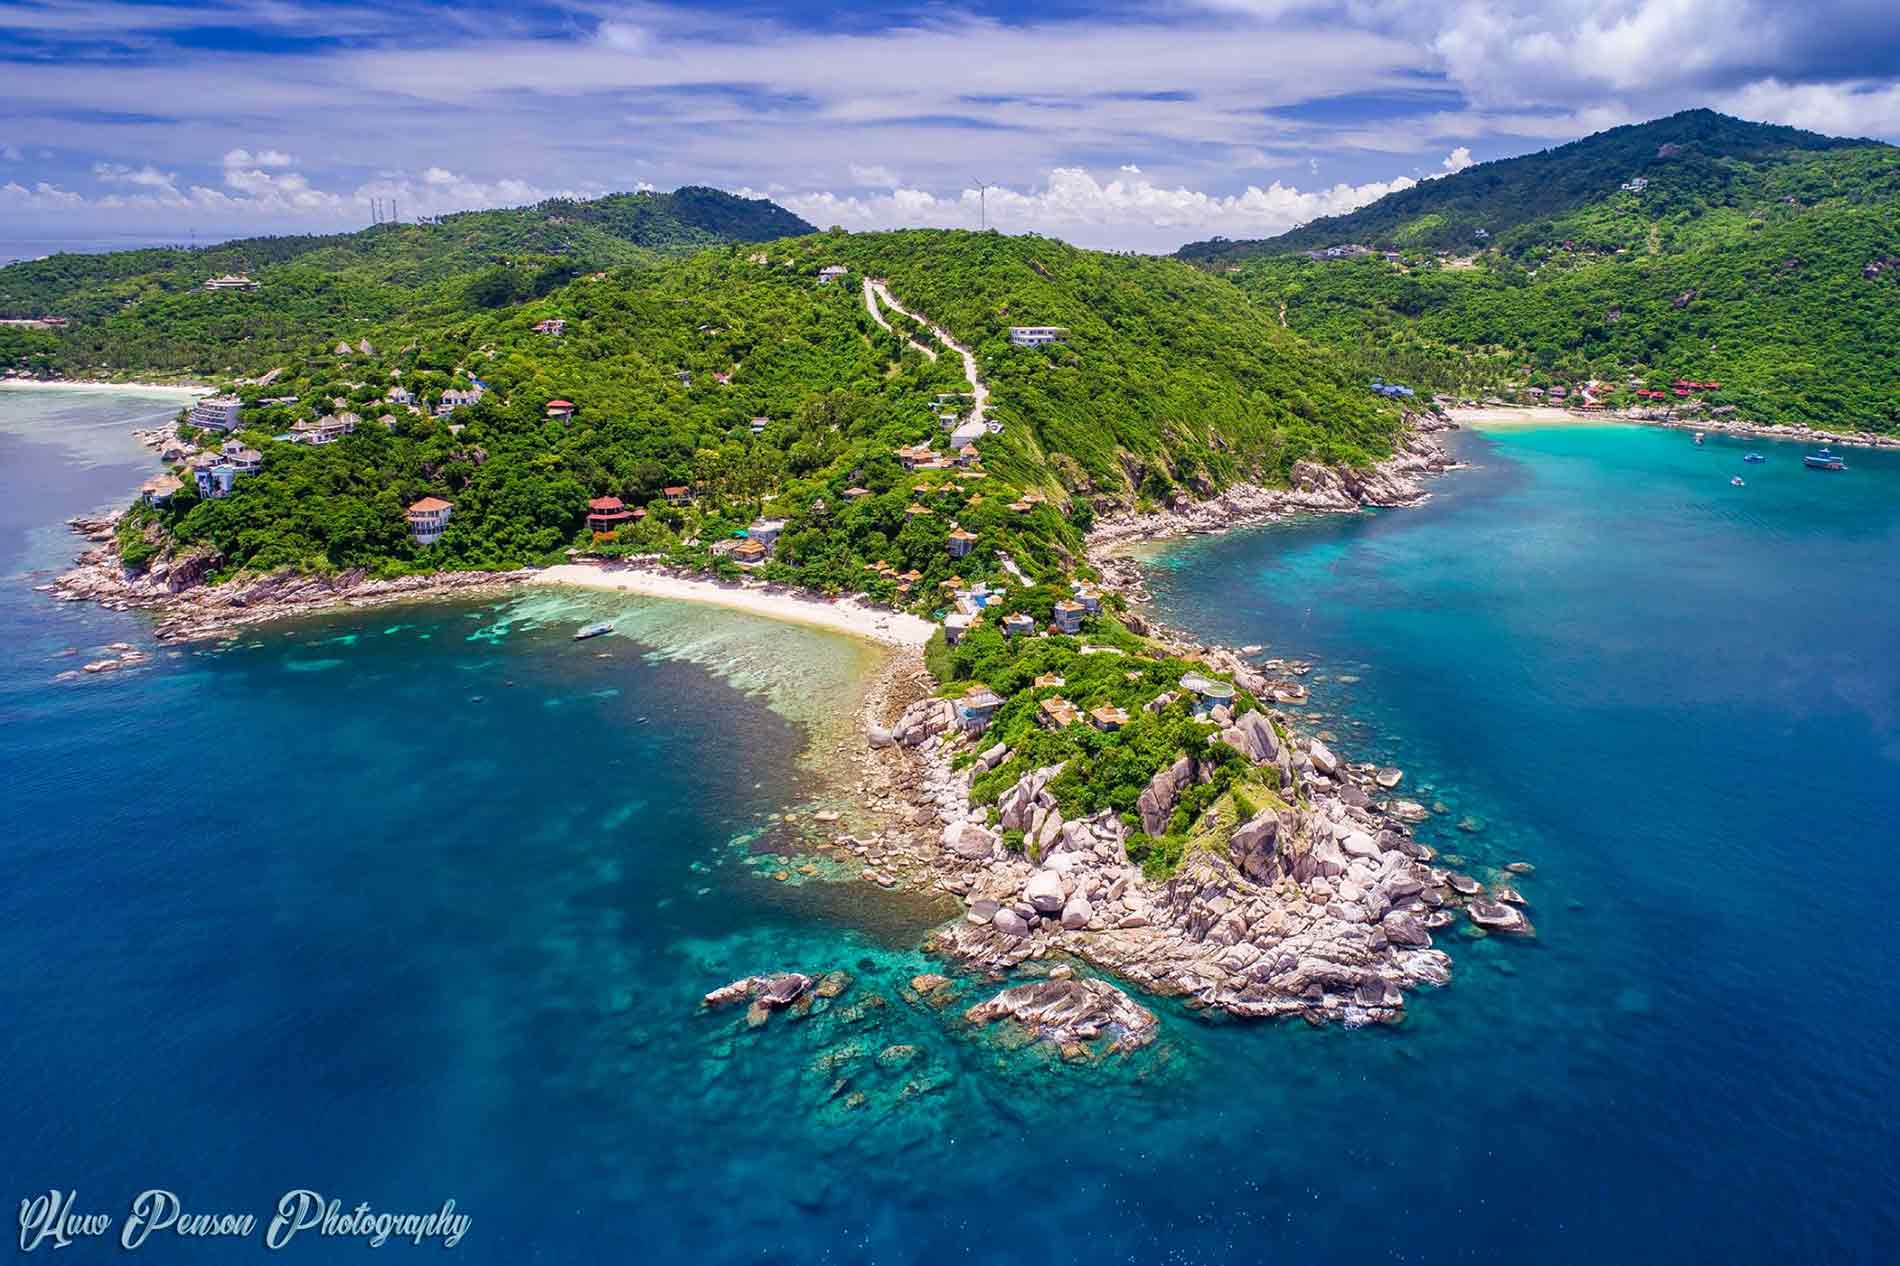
x=416, y=904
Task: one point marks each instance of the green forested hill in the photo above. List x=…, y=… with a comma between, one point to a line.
x=1760, y=258
x=147, y=311
x=1168, y=376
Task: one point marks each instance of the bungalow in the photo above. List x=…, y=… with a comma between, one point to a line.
x=1107, y=718
x=245, y=461
x=955, y=625
x=158, y=490
x=1091, y=599
x=915, y=511
x=765, y=531
x=216, y=413
x=454, y=398
x=560, y=410
x=1057, y=713
x=1208, y=693
x=552, y=326
x=759, y=425
x=1036, y=335
x=606, y=514
x=215, y=481
x=400, y=395
x=1050, y=679
x=748, y=553
x=978, y=704
x=427, y=518
x=231, y=281
x=1068, y=616
x=961, y=542
x=917, y=457
x=1018, y=623
x=852, y=494
x=967, y=455
x=831, y=273
x=678, y=495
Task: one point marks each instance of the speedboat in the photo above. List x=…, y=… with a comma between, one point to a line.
x=1736, y=482
x=594, y=630
x=1753, y=457
x=1823, y=460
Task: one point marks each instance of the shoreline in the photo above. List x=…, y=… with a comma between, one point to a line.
x=845, y=615
x=186, y=391
x=1548, y=415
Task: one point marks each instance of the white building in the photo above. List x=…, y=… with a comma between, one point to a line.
x=765, y=531
x=968, y=433
x=231, y=281
x=217, y=413
x=831, y=273
x=215, y=481
x=454, y=399
x=427, y=518
x=1036, y=335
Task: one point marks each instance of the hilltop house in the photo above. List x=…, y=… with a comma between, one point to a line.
x=560, y=410
x=961, y=542
x=427, y=518
x=1036, y=335
x=831, y=273
x=1107, y=718
x=231, y=281
x=158, y=490
x=216, y=413
x=552, y=325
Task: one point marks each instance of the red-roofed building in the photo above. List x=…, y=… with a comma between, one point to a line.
x=560, y=409
x=606, y=514
x=427, y=518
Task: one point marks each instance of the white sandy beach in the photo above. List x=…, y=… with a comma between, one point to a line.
x=139, y=388
x=1526, y=415
x=840, y=616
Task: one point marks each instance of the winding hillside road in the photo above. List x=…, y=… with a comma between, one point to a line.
x=874, y=291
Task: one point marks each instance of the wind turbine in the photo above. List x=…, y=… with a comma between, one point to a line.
x=982, y=200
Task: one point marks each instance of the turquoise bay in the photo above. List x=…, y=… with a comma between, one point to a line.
x=415, y=904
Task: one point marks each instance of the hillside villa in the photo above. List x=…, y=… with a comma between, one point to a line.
x=427, y=518
x=158, y=490
x=216, y=413
x=1107, y=718
x=961, y=542
x=606, y=514
x=1057, y=713
x=1068, y=616
x=1036, y=335
x=978, y=704
x=560, y=410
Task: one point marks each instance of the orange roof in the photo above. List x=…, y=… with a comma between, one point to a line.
x=606, y=503
x=430, y=504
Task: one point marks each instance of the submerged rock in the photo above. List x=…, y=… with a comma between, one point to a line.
x=1071, y=1011
x=1498, y=917
x=778, y=989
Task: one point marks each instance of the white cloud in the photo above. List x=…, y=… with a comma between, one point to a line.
x=1457, y=160
x=262, y=158
x=875, y=176
x=1850, y=109
x=1123, y=212
x=41, y=197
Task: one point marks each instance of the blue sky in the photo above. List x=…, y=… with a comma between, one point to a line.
x=1120, y=125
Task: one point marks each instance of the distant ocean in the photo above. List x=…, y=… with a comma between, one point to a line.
x=12, y=249
x=416, y=904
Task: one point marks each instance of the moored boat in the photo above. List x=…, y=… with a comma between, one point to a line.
x=1736, y=481
x=1823, y=460
x=594, y=630
x=1753, y=457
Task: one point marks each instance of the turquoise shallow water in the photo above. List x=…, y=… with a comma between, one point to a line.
x=415, y=904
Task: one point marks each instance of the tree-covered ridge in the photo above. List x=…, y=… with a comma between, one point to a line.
x=1167, y=373
x=146, y=310
x=1690, y=164
x=1166, y=376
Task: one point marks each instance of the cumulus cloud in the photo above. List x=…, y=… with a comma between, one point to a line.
x=262, y=158
x=1457, y=160
x=1130, y=210
x=41, y=197
x=875, y=176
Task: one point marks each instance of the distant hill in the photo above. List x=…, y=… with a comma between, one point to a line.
x=147, y=310
x=1689, y=162
x=1696, y=247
